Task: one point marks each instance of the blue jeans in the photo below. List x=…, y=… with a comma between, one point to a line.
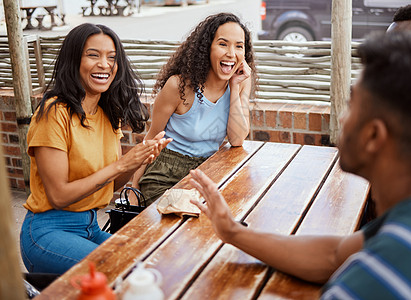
x=55, y=240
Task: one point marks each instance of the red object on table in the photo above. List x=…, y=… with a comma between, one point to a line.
x=93, y=286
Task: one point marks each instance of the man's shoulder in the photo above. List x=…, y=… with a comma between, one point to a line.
x=382, y=269
x=391, y=240
x=401, y=211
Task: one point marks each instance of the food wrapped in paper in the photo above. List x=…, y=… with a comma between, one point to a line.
x=177, y=201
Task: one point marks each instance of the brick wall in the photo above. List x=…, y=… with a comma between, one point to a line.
x=10, y=139
x=290, y=123
x=306, y=124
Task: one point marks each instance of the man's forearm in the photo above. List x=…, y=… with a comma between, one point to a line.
x=312, y=258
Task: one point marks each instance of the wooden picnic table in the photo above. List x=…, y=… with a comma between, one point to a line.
x=274, y=187
x=30, y=11
x=112, y=8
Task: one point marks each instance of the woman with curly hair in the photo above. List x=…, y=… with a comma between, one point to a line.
x=75, y=152
x=202, y=97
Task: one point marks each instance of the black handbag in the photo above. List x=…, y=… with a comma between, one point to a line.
x=123, y=211
x=36, y=282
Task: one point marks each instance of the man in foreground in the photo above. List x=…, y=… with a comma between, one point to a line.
x=375, y=143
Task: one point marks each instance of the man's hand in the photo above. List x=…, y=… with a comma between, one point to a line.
x=215, y=208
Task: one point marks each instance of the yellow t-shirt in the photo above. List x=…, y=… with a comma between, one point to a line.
x=88, y=150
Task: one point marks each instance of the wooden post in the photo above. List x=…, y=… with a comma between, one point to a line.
x=22, y=88
x=39, y=62
x=11, y=286
x=341, y=24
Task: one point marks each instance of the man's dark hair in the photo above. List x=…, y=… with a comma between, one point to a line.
x=402, y=14
x=386, y=76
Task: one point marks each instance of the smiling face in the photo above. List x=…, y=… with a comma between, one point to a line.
x=98, y=64
x=227, y=50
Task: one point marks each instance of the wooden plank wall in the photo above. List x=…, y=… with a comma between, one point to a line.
x=287, y=71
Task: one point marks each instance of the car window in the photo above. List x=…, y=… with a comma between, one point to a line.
x=386, y=3
x=307, y=20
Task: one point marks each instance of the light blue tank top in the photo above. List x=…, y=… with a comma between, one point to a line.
x=200, y=131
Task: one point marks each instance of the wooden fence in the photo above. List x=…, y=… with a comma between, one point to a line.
x=287, y=71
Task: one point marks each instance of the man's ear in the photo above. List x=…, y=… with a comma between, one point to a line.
x=375, y=135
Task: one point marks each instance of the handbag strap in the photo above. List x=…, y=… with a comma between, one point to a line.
x=139, y=195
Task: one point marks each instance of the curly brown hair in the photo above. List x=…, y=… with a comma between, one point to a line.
x=191, y=61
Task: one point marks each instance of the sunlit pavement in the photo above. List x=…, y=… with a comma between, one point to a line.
x=73, y=20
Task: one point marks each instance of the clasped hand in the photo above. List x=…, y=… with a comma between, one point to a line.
x=145, y=152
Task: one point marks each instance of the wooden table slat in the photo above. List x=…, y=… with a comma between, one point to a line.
x=285, y=287
x=229, y=268
x=338, y=207
x=284, y=204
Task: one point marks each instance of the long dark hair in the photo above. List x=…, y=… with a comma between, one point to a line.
x=191, y=61
x=121, y=102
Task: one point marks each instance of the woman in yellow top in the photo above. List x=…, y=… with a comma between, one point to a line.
x=75, y=151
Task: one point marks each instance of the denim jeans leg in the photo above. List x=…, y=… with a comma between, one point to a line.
x=54, y=241
x=97, y=235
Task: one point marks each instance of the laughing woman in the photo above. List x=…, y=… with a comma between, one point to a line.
x=74, y=147
x=202, y=97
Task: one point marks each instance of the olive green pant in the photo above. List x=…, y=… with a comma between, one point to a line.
x=168, y=169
